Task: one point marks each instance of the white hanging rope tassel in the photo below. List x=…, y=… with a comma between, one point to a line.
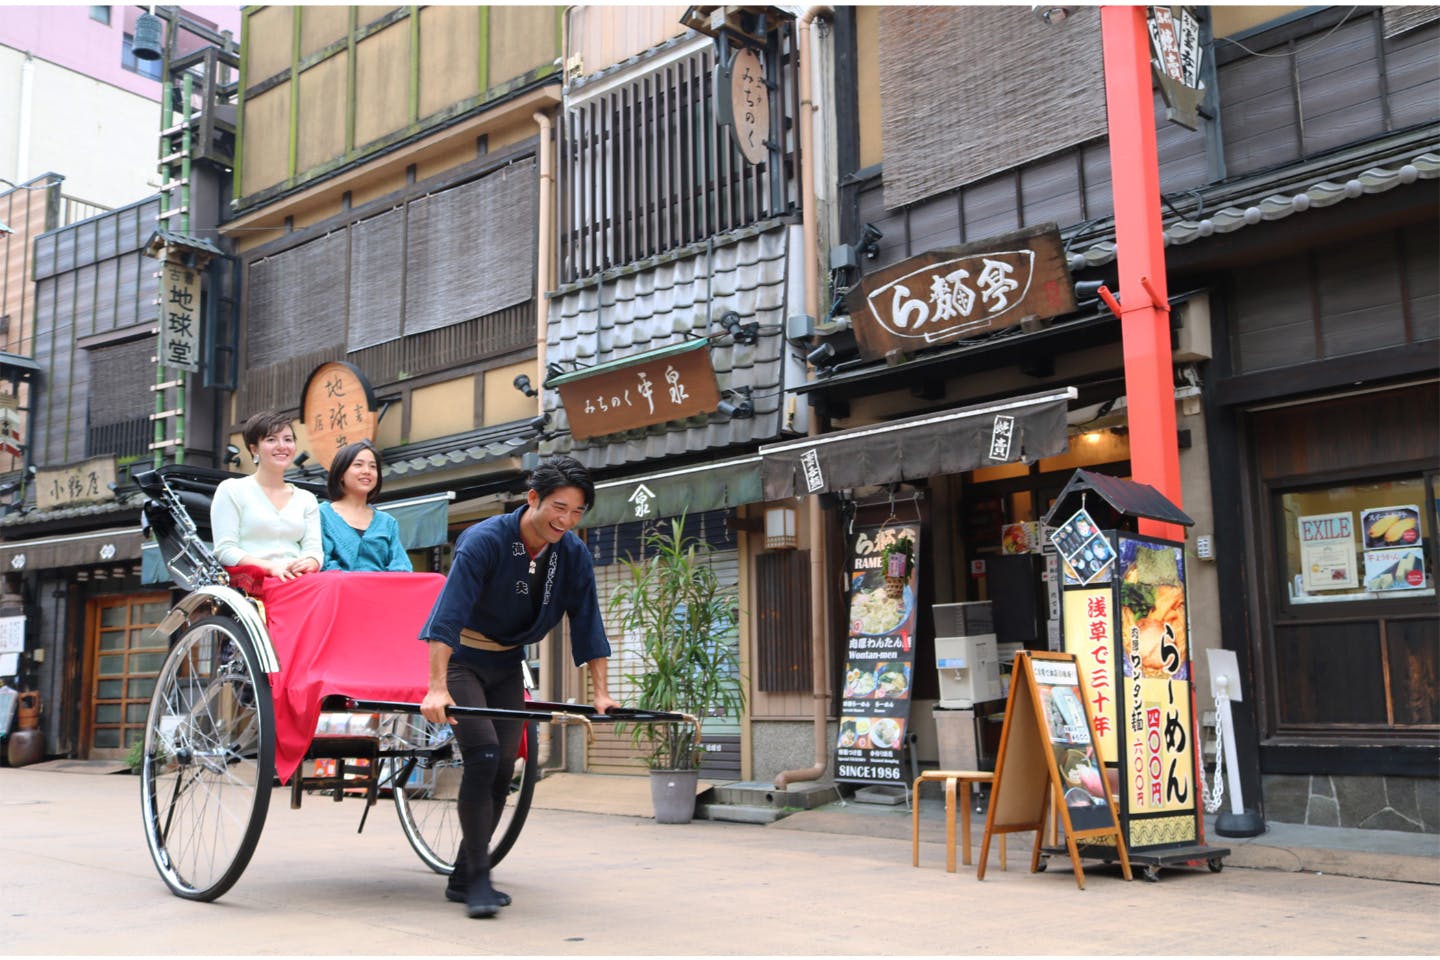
x=1214, y=799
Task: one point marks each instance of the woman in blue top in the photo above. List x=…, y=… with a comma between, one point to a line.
x=355, y=534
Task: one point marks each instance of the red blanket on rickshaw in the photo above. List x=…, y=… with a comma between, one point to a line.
x=350, y=634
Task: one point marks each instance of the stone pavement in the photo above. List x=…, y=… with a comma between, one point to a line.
x=1372, y=854
x=77, y=879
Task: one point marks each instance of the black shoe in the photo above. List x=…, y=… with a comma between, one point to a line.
x=458, y=895
x=482, y=903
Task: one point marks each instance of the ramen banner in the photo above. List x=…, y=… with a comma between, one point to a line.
x=1131, y=641
x=880, y=654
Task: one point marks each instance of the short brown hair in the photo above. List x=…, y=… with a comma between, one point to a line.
x=261, y=425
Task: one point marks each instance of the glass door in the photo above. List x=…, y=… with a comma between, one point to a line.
x=123, y=660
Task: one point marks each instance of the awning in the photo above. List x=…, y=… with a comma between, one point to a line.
x=1025, y=428
x=669, y=493
x=424, y=522
x=116, y=545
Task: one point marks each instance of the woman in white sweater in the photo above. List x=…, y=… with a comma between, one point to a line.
x=261, y=520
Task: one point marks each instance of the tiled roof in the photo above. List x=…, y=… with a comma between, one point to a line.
x=128, y=502
x=476, y=447
x=1256, y=200
x=658, y=304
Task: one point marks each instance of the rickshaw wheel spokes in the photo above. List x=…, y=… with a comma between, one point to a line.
x=425, y=802
x=209, y=760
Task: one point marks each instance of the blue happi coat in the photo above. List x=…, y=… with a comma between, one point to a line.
x=488, y=590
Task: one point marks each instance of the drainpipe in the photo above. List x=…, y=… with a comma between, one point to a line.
x=819, y=629
x=542, y=314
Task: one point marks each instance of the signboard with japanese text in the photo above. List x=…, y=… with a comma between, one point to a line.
x=1047, y=755
x=968, y=291
x=12, y=634
x=85, y=482
x=1091, y=638
x=1157, y=775
x=1071, y=739
x=879, y=654
x=749, y=106
x=180, y=318
x=1176, y=55
x=672, y=385
x=1327, y=552
x=1130, y=638
x=338, y=408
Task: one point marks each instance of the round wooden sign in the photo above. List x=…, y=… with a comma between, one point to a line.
x=337, y=408
x=750, y=106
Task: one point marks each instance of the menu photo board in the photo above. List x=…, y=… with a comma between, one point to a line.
x=1394, y=549
x=1085, y=552
x=1047, y=753
x=879, y=655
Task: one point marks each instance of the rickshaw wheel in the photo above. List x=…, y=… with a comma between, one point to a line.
x=209, y=760
x=426, y=801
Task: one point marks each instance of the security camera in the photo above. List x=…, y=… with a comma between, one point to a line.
x=870, y=241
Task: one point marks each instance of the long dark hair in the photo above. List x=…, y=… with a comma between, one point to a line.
x=334, y=481
x=559, y=472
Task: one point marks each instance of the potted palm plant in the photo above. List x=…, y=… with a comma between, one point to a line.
x=683, y=619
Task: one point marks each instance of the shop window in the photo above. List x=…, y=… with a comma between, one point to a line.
x=1358, y=541
x=645, y=168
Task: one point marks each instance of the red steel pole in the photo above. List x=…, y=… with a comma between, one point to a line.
x=1140, y=256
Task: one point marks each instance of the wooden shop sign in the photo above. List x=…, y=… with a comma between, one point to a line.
x=671, y=383
x=338, y=408
x=965, y=291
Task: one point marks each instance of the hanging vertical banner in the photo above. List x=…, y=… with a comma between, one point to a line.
x=180, y=318
x=880, y=654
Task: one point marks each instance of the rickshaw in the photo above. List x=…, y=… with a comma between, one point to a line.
x=212, y=731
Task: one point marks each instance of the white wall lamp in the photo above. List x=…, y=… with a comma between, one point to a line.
x=779, y=528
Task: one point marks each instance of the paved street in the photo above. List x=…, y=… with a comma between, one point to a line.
x=78, y=879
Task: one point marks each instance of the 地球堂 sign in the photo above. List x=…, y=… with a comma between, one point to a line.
x=180, y=318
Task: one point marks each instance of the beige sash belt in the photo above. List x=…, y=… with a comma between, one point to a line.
x=476, y=640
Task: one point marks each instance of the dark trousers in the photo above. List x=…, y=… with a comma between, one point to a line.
x=488, y=748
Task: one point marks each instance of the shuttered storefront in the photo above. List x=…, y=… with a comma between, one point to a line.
x=614, y=754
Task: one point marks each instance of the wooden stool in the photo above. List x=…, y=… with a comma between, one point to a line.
x=951, y=777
